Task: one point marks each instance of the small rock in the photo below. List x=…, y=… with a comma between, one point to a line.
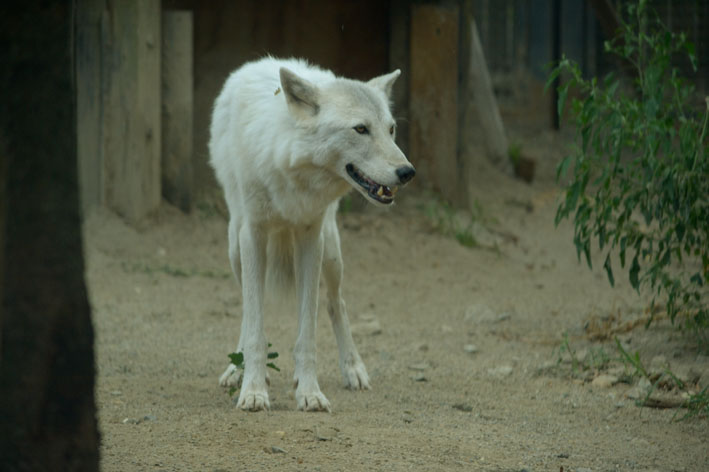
x=617, y=371
x=703, y=379
x=640, y=390
x=581, y=355
x=367, y=328
x=419, y=378
x=325, y=434
x=470, y=348
x=688, y=375
x=277, y=450
x=463, y=407
x=479, y=313
x=659, y=364
x=116, y=393
x=423, y=347
x=280, y=434
x=130, y=421
x=408, y=418
x=500, y=371
x=149, y=418
x=604, y=381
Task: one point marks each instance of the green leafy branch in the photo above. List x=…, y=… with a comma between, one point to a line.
x=640, y=176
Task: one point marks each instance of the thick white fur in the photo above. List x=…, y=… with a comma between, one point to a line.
x=282, y=134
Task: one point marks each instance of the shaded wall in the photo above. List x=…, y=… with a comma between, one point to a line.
x=350, y=38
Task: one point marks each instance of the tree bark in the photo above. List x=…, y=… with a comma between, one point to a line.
x=47, y=408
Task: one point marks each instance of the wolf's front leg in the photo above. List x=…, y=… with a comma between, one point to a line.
x=253, y=395
x=308, y=261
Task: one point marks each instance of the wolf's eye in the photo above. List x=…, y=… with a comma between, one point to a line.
x=361, y=129
x=391, y=130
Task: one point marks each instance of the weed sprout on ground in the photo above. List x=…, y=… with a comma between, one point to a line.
x=237, y=358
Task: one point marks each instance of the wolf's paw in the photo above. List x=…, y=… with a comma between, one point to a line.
x=253, y=399
x=311, y=399
x=231, y=377
x=355, y=375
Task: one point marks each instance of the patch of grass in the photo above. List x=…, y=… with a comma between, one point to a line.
x=514, y=151
x=595, y=360
x=632, y=360
x=696, y=403
x=451, y=222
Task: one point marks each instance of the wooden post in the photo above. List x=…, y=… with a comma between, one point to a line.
x=131, y=107
x=434, y=99
x=177, y=107
x=88, y=101
x=400, y=22
x=485, y=104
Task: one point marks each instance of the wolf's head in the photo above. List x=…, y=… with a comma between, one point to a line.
x=349, y=126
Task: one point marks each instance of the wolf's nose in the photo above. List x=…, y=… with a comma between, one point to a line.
x=405, y=173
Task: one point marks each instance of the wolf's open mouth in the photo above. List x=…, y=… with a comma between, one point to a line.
x=377, y=191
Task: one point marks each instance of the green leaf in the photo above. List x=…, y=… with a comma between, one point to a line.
x=634, y=271
x=237, y=358
x=689, y=47
x=697, y=279
x=273, y=366
x=563, y=91
x=609, y=270
x=680, y=230
x=562, y=167
x=552, y=76
x=272, y=355
x=232, y=391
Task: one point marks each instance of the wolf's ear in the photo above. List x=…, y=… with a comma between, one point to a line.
x=302, y=96
x=385, y=82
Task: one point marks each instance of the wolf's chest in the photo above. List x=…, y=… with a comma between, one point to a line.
x=302, y=195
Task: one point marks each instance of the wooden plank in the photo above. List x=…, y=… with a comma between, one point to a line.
x=400, y=22
x=88, y=101
x=131, y=107
x=485, y=104
x=177, y=108
x=434, y=99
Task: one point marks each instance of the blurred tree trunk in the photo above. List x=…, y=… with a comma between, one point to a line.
x=47, y=409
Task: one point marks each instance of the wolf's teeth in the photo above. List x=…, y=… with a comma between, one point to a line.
x=380, y=192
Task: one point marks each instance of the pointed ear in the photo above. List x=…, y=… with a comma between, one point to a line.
x=385, y=82
x=302, y=96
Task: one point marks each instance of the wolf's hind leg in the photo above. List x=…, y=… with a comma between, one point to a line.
x=232, y=376
x=353, y=370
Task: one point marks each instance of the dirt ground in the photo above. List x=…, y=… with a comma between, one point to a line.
x=462, y=347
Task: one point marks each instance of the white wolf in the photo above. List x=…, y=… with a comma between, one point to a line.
x=288, y=140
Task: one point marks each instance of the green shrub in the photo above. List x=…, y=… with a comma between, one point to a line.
x=639, y=183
